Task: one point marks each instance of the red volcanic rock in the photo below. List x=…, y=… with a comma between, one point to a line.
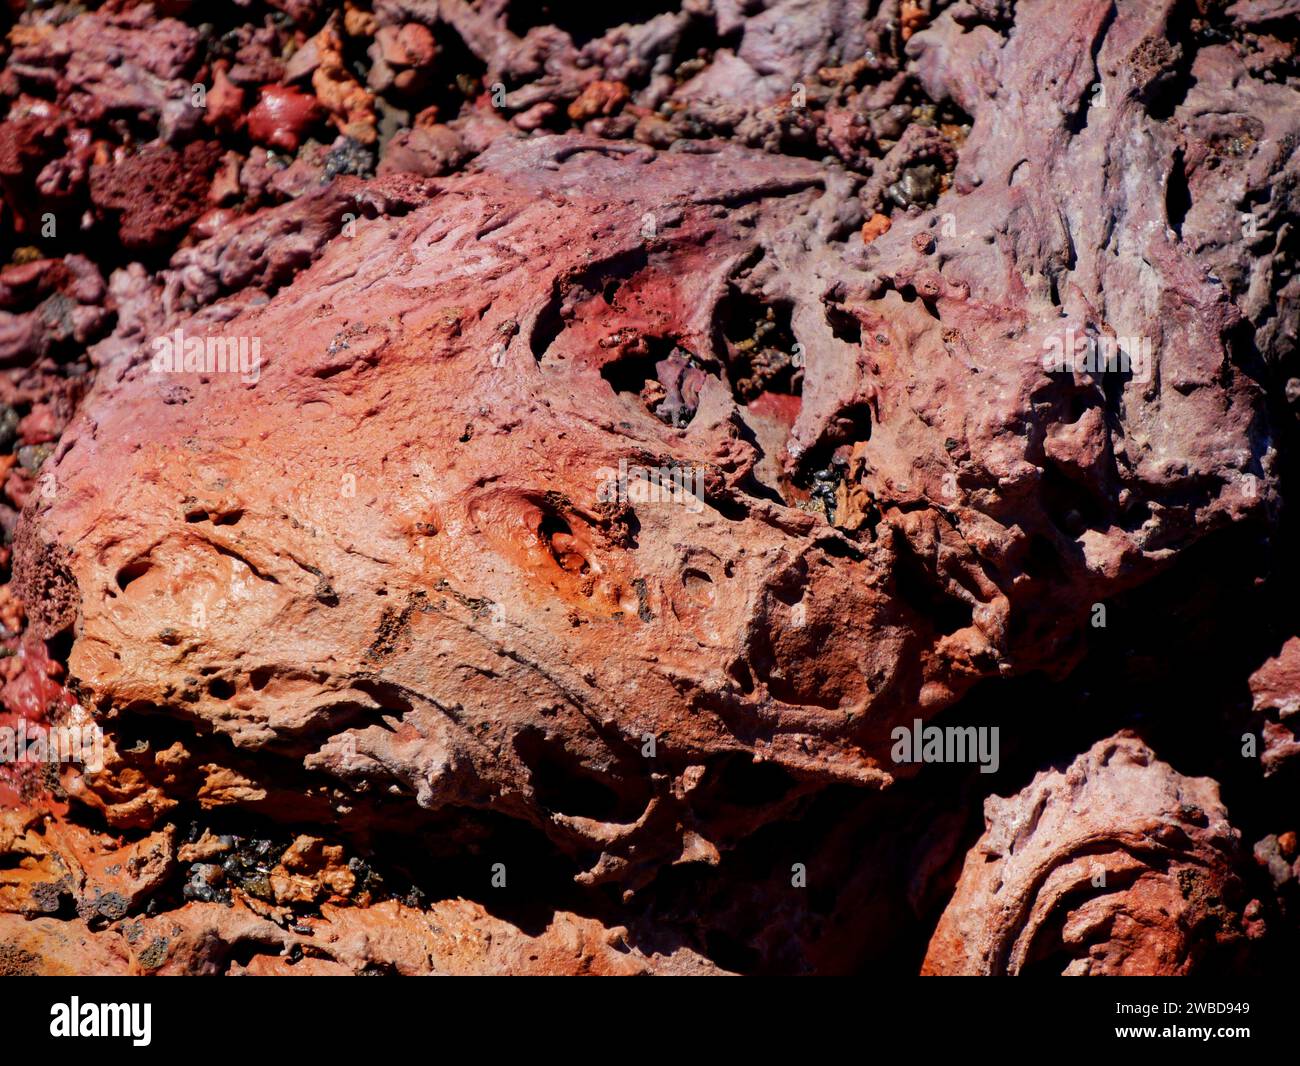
x=25, y=144
x=32, y=681
x=282, y=116
x=129, y=64
x=473, y=591
x=410, y=45
x=599, y=98
x=1119, y=865
x=225, y=103
x=156, y=192
x=594, y=511
x=1275, y=686
x=455, y=937
x=32, y=696
x=462, y=561
x=40, y=426
x=49, y=305
x=1275, y=693
x=430, y=151
x=263, y=251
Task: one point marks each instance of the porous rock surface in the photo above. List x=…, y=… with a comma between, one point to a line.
x=450, y=938
x=1118, y=865
x=379, y=589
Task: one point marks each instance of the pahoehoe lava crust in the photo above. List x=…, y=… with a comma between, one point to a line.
x=639, y=425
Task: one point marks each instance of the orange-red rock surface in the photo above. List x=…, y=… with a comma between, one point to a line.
x=402, y=666
x=1116, y=866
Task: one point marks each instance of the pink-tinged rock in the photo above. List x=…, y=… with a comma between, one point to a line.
x=1275, y=686
x=1275, y=694
x=385, y=586
x=225, y=103
x=1118, y=865
x=520, y=596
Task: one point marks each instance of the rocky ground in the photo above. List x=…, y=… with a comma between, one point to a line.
x=400, y=663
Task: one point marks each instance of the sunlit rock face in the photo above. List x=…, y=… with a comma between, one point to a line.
x=1116, y=866
x=588, y=497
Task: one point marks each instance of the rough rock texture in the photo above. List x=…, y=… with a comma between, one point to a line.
x=389, y=623
x=450, y=938
x=1275, y=692
x=1117, y=866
